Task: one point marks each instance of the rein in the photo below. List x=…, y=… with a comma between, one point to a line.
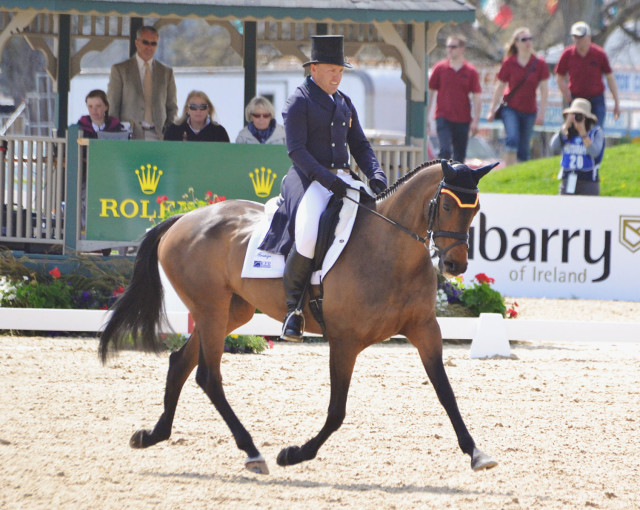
x=418, y=238
x=461, y=238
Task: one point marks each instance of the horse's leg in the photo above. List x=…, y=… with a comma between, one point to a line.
x=428, y=341
x=341, y=363
x=209, y=378
x=181, y=364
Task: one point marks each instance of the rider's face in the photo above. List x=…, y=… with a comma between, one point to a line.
x=327, y=76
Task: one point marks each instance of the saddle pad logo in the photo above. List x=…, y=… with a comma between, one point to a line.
x=630, y=232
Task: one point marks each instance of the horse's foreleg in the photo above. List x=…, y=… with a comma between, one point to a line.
x=181, y=364
x=341, y=368
x=430, y=349
x=209, y=378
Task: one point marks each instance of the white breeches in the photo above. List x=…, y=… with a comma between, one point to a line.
x=311, y=207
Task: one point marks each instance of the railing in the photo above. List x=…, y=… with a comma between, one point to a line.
x=395, y=160
x=32, y=177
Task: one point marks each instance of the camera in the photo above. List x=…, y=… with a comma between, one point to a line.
x=579, y=117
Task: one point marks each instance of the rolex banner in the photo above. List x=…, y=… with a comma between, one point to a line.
x=129, y=183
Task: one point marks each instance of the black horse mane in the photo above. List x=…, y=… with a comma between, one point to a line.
x=391, y=189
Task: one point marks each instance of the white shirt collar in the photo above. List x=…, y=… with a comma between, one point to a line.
x=141, y=63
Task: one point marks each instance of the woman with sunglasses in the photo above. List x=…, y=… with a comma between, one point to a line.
x=581, y=142
x=522, y=74
x=196, y=123
x=261, y=127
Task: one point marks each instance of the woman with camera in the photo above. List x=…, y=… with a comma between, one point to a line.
x=581, y=142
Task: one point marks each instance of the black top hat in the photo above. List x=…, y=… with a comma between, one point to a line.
x=327, y=49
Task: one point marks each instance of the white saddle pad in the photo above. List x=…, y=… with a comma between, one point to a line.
x=263, y=264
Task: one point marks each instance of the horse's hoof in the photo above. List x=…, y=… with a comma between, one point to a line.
x=257, y=465
x=481, y=460
x=287, y=456
x=139, y=439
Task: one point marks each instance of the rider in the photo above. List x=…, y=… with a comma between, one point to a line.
x=322, y=127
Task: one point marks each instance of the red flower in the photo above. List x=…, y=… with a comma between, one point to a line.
x=162, y=198
x=511, y=313
x=219, y=198
x=209, y=194
x=483, y=278
x=118, y=291
x=55, y=273
x=270, y=343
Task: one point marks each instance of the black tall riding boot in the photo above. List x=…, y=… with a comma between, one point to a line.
x=297, y=271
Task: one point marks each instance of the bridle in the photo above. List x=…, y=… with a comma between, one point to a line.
x=461, y=238
x=434, y=207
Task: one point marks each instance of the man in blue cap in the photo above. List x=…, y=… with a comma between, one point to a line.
x=322, y=127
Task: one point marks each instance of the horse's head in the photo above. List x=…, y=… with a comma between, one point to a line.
x=450, y=214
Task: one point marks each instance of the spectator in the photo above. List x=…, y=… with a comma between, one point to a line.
x=580, y=69
x=142, y=91
x=524, y=74
x=451, y=81
x=196, y=123
x=581, y=141
x=261, y=127
x=98, y=118
x=322, y=128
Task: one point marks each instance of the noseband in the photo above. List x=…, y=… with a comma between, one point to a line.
x=434, y=208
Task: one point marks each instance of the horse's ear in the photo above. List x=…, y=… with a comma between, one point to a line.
x=479, y=173
x=447, y=170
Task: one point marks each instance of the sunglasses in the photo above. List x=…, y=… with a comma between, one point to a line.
x=194, y=107
x=452, y=46
x=578, y=116
x=525, y=39
x=148, y=43
x=263, y=115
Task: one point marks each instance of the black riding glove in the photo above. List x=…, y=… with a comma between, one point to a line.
x=377, y=186
x=339, y=188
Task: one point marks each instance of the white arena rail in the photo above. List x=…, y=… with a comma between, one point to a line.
x=459, y=328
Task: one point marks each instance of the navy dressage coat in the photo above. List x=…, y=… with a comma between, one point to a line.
x=320, y=133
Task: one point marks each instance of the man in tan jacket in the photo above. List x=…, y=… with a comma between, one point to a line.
x=142, y=91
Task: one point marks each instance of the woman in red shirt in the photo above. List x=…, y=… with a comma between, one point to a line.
x=521, y=74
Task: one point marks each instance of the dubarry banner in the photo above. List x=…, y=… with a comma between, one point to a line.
x=558, y=246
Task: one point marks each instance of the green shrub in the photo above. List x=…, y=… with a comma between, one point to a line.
x=245, y=343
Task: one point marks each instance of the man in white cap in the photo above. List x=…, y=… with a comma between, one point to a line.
x=580, y=69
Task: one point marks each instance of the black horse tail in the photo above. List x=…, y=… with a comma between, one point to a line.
x=139, y=309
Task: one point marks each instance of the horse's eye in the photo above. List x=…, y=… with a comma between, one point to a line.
x=446, y=205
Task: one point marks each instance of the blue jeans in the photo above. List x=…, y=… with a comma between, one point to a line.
x=452, y=134
x=598, y=107
x=518, y=128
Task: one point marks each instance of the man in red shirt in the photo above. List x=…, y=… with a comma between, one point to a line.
x=580, y=69
x=452, y=80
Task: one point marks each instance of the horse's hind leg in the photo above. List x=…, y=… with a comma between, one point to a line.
x=341, y=368
x=181, y=364
x=430, y=348
x=209, y=378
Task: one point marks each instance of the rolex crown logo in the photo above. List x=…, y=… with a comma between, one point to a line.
x=148, y=177
x=263, y=180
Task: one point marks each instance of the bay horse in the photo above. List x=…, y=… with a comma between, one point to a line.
x=383, y=284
